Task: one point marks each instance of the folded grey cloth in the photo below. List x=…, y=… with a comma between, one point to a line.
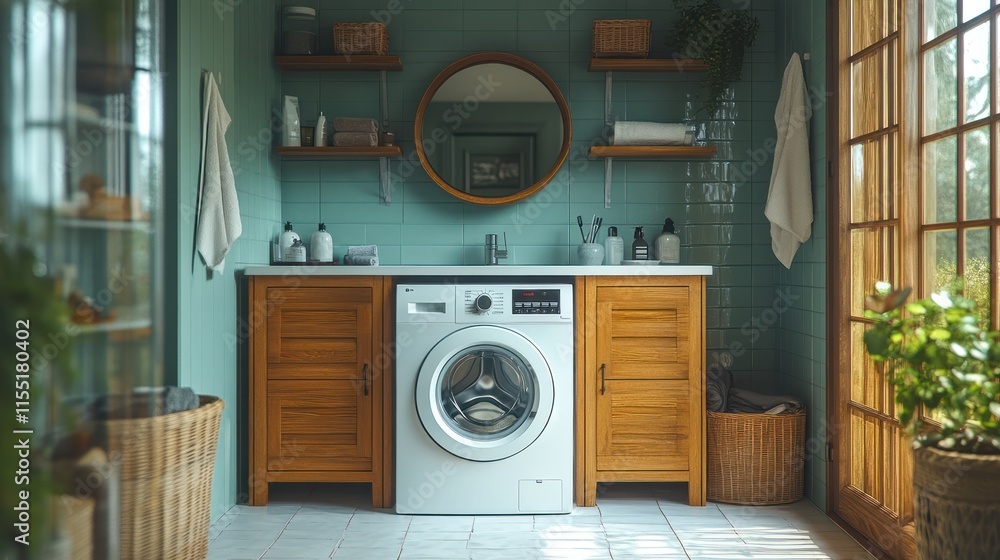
x=360, y=260
x=638, y=133
x=741, y=400
x=144, y=403
x=355, y=139
x=362, y=250
x=352, y=124
x=717, y=389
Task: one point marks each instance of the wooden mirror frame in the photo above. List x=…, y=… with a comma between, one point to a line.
x=509, y=60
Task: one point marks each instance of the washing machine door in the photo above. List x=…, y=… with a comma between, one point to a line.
x=484, y=393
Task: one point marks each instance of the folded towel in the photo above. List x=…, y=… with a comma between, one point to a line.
x=360, y=260
x=351, y=124
x=741, y=400
x=355, y=139
x=362, y=250
x=637, y=133
x=717, y=389
x=789, y=205
x=219, y=224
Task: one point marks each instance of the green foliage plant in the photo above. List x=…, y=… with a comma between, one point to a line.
x=718, y=36
x=942, y=362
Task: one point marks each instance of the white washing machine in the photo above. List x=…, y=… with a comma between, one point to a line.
x=484, y=399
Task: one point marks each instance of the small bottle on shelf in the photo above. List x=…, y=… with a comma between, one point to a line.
x=640, y=249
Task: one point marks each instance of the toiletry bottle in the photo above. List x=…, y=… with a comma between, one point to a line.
x=288, y=237
x=614, y=247
x=320, y=132
x=290, y=125
x=321, y=245
x=668, y=245
x=640, y=249
x=296, y=252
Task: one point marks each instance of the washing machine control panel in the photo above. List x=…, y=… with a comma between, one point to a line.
x=536, y=302
x=485, y=301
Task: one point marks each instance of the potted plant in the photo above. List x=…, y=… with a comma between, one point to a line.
x=945, y=365
x=718, y=36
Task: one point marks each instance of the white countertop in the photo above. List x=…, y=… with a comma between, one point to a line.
x=499, y=270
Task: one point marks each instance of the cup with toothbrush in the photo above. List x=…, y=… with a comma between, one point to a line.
x=590, y=253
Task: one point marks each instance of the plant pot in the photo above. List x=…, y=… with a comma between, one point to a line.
x=958, y=504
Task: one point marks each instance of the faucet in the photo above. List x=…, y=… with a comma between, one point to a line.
x=494, y=253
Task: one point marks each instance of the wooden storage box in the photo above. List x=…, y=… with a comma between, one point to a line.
x=621, y=38
x=755, y=459
x=367, y=37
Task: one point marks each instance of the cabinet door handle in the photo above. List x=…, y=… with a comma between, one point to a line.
x=602, y=379
x=364, y=379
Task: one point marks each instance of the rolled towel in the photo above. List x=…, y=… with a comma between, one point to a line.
x=355, y=139
x=352, y=124
x=741, y=400
x=360, y=260
x=638, y=133
x=362, y=250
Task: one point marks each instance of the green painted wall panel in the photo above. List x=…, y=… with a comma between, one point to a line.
x=235, y=45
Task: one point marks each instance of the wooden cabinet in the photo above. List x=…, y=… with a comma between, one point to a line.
x=640, y=382
x=318, y=396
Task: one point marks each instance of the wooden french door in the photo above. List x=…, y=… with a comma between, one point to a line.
x=873, y=211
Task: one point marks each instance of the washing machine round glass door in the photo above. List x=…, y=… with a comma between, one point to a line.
x=484, y=393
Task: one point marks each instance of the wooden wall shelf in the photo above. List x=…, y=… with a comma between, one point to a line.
x=653, y=152
x=336, y=152
x=356, y=63
x=677, y=65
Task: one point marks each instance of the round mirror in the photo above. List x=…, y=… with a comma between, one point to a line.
x=492, y=128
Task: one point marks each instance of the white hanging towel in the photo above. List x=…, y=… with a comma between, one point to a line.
x=218, y=225
x=789, y=201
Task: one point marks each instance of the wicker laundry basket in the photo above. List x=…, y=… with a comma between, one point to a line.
x=755, y=459
x=165, y=470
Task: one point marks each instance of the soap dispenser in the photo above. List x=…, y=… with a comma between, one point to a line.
x=640, y=249
x=321, y=245
x=614, y=247
x=288, y=237
x=319, y=134
x=667, y=248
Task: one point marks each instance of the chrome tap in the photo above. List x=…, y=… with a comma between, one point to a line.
x=493, y=252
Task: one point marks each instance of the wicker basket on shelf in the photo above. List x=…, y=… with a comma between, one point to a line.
x=365, y=37
x=621, y=38
x=166, y=464
x=755, y=459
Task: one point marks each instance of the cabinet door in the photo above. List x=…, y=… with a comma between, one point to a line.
x=319, y=332
x=318, y=425
x=644, y=332
x=322, y=400
x=643, y=425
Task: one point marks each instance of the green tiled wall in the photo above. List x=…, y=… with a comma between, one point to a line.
x=201, y=347
x=802, y=333
x=720, y=215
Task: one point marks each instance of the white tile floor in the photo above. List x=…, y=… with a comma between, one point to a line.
x=631, y=521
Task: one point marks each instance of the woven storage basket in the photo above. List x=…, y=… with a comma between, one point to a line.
x=621, y=38
x=75, y=521
x=755, y=459
x=366, y=37
x=958, y=504
x=165, y=467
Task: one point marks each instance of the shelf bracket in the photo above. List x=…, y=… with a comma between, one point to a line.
x=383, y=96
x=608, y=122
x=384, y=165
x=385, y=180
x=607, y=182
x=608, y=128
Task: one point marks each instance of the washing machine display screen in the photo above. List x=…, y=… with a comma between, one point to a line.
x=488, y=392
x=531, y=302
